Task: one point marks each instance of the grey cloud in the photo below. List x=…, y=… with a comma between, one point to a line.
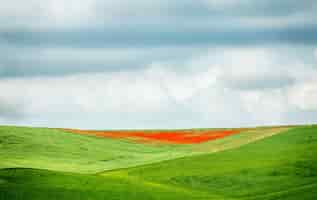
x=142, y=99
x=185, y=24
x=152, y=35
x=26, y=62
x=165, y=23
x=274, y=8
x=261, y=83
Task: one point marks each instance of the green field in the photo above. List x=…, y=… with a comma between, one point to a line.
x=261, y=163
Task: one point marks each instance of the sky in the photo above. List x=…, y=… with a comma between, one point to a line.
x=158, y=64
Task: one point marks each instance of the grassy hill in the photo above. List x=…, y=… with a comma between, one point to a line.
x=262, y=163
x=55, y=149
x=281, y=167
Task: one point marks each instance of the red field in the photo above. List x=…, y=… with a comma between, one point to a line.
x=173, y=137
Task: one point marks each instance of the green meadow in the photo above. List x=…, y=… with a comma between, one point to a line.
x=259, y=163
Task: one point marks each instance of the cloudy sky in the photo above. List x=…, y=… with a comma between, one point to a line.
x=158, y=64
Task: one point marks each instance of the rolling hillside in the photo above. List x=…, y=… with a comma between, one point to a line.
x=56, y=149
x=260, y=163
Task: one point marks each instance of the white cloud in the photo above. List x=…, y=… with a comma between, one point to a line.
x=182, y=85
x=43, y=14
x=196, y=92
x=247, y=63
x=113, y=92
x=266, y=106
x=146, y=92
x=62, y=12
x=225, y=3
x=304, y=95
x=46, y=13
